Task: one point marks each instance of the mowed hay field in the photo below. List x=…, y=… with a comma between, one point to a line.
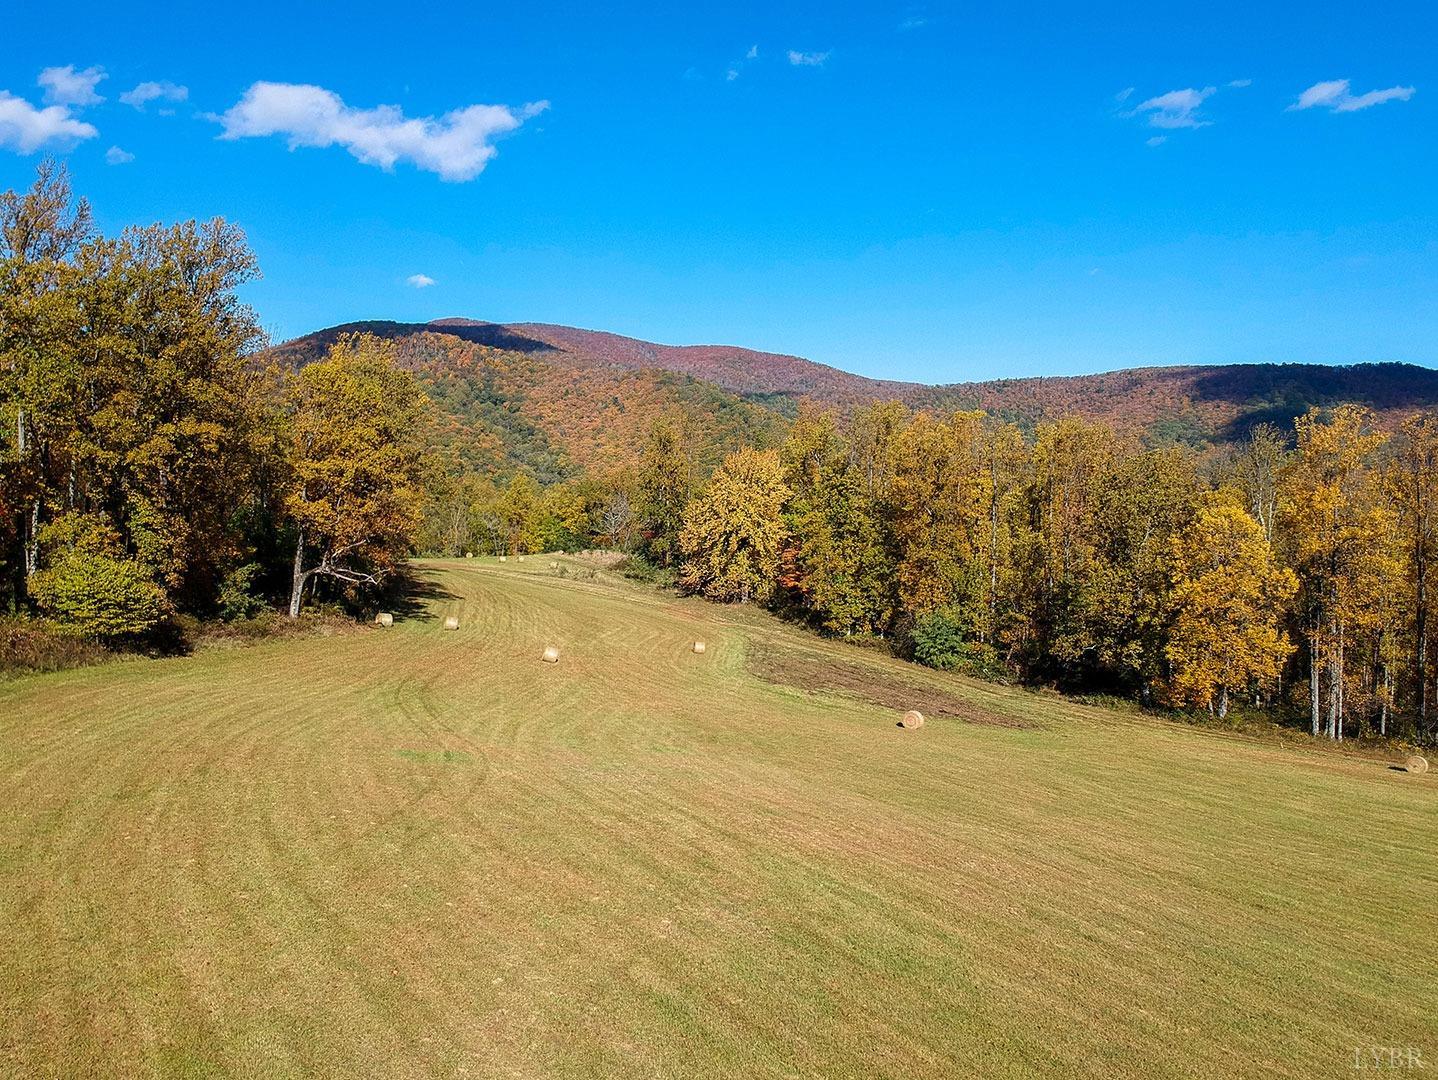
x=412, y=852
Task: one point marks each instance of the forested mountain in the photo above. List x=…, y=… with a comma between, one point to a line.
x=557, y=392
x=507, y=400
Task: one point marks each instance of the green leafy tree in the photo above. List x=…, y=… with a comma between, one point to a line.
x=665, y=483
x=88, y=584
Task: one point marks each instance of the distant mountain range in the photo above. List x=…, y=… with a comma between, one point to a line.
x=550, y=397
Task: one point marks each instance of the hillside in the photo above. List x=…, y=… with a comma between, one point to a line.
x=506, y=400
x=408, y=852
x=585, y=395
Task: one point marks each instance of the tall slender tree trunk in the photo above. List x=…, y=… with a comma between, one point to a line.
x=1313, y=676
x=297, y=582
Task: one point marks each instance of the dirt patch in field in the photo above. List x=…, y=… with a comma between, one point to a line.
x=891, y=691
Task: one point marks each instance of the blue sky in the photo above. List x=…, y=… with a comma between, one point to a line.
x=931, y=191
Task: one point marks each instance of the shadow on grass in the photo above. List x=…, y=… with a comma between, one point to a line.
x=407, y=597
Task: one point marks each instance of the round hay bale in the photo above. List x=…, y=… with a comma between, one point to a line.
x=1416, y=763
x=384, y=618
x=451, y=622
x=699, y=646
x=912, y=719
x=502, y=558
x=469, y=554
x=551, y=655
x=521, y=558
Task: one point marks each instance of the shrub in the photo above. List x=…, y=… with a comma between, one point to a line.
x=939, y=641
x=237, y=600
x=36, y=645
x=99, y=596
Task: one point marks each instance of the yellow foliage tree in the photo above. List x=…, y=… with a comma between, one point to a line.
x=357, y=465
x=1341, y=530
x=734, y=532
x=1228, y=598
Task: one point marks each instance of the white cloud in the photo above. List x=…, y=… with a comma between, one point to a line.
x=753, y=53
x=1176, y=109
x=1336, y=96
x=1156, y=140
x=811, y=59
x=25, y=129
x=116, y=156
x=154, y=91
x=457, y=146
x=1239, y=84
x=66, y=86
x=913, y=22
x=419, y=281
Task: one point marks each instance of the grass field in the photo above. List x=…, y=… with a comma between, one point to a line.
x=409, y=852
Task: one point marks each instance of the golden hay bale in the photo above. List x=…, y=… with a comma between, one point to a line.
x=451, y=622
x=502, y=558
x=551, y=655
x=469, y=554
x=1416, y=763
x=699, y=646
x=384, y=618
x=912, y=719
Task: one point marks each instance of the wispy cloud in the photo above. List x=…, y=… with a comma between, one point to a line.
x=456, y=146
x=1156, y=140
x=25, y=128
x=1337, y=95
x=1239, y=84
x=147, y=92
x=737, y=67
x=116, y=156
x=419, y=281
x=66, y=86
x=807, y=59
x=912, y=22
x=1176, y=109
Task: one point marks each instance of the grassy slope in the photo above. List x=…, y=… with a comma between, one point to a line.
x=413, y=853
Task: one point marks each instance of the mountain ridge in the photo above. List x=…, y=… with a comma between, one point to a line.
x=567, y=370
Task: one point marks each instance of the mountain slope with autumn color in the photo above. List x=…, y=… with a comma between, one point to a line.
x=587, y=396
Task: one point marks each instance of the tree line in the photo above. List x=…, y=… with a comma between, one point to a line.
x=1295, y=571
x=149, y=465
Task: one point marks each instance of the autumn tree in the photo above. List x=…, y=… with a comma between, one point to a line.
x=1338, y=527
x=41, y=233
x=734, y=531
x=665, y=483
x=1412, y=484
x=839, y=558
x=1258, y=469
x=357, y=465
x=1229, y=597
x=1144, y=500
x=1057, y=550
x=937, y=495
x=125, y=377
